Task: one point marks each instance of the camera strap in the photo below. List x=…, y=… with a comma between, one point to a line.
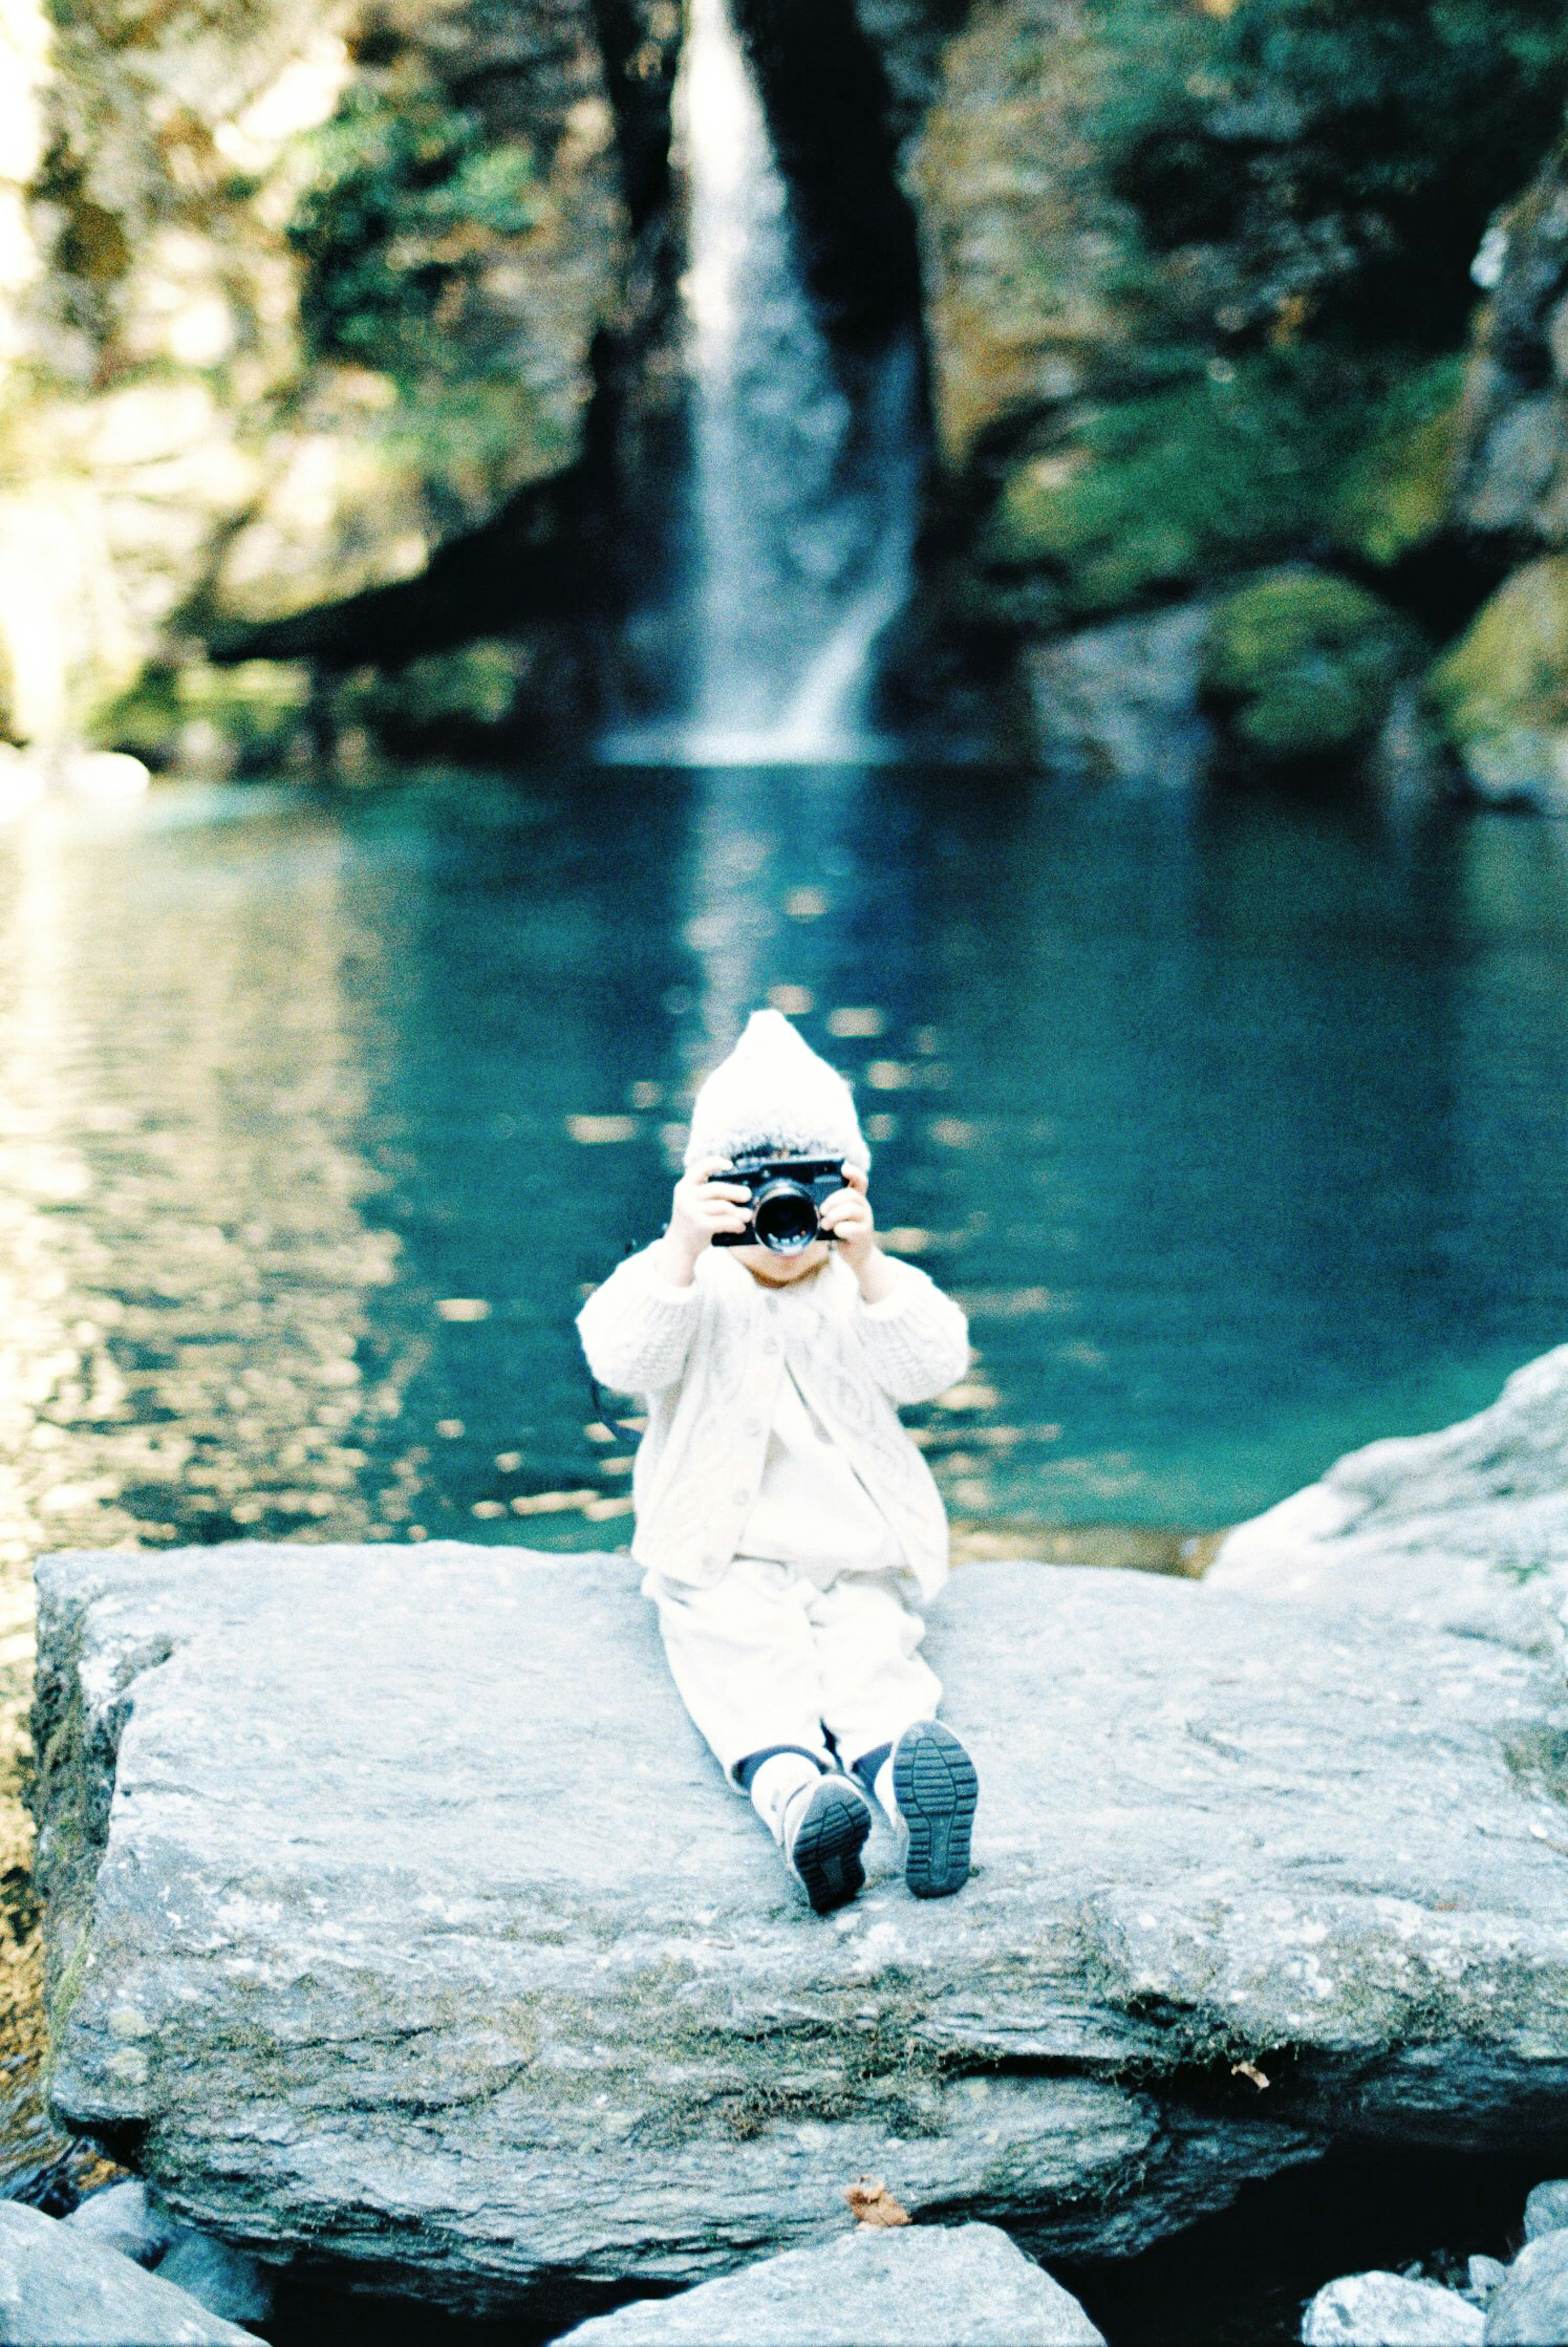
x=606, y=1416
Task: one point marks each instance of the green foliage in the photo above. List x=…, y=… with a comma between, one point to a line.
x=474, y=690
x=1166, y=491
x=1274, y=369
x=406, y=200
x=1348, y=152
x=245, y=718
x=1302, y=665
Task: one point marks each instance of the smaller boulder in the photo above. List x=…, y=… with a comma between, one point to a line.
x=1530, y=2309
x=1301, y=666
x=920, y=2286
x=1546, y=2211
x=223, y=2279
x=1389, y=2310
x=126, y=2218
x=1485, y=2278
x=1502, y=692
x=58, y=2289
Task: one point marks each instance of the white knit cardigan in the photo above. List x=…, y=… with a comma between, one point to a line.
x=709, y=1360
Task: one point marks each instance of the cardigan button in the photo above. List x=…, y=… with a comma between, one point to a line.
x=742, y=1495
x=751, y=1425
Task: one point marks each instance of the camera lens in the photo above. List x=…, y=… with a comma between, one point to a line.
x=784, y=1217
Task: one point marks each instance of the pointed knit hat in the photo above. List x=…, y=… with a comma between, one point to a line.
x=773, y=1097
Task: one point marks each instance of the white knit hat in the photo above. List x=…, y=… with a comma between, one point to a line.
x=774, y=1097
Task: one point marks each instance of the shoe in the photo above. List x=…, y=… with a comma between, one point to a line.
x=824, y=1833
x=935, y=1789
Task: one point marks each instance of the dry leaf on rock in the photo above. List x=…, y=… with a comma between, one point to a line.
x=873, y=2203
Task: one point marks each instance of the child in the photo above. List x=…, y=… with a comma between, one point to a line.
x=785, y=1520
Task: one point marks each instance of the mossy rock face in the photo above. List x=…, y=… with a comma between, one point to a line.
x=1398, y=491
x=299, y=302
x=1198, y=279
x=1502, y=692
x=1179, y=487
x=1301, y=666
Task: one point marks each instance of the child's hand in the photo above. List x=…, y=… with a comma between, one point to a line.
x=848, y=1218
x=700, y=1207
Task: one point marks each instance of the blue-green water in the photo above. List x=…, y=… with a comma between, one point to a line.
x=1241, y=1127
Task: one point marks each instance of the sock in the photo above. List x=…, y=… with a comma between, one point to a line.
x=875, y=1770
x=745, y=1770
x=774, y=1783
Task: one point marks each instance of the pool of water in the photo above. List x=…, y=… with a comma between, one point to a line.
x=1238, y=1125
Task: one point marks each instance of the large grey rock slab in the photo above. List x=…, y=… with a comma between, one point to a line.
x=1389, y=2310
x=396, y=1915
x=926, y=2286
x=1481, y=1505
x=60, y=2288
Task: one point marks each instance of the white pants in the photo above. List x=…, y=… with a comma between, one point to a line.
x=767, y=1657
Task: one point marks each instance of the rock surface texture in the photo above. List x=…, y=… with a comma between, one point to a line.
x=223, y=2279
x=61, y=2289
x=931, y=2286
x=126, y=2218
x=1388, y=2309
x=1428, y=1521
x=397, y=1916
x=1546, y=2211
x=1530, y=2307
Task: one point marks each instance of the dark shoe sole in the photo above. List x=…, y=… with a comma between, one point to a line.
x=829, y=1844
x=936, y=1788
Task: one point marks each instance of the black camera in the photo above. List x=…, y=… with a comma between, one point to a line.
x=788, y=1195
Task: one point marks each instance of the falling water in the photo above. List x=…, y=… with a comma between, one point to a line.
x=804, y=461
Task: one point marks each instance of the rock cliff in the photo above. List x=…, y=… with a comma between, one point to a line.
x=1198, y=287
x=1504, y=688
x=294, y=305
x=396, y=1918
x=291, y=299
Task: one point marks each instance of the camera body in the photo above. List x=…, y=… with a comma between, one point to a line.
x=788, y=1195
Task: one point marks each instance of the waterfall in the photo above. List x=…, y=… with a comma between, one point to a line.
x=804, y=461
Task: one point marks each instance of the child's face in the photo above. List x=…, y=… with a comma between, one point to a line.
x=771, y=1270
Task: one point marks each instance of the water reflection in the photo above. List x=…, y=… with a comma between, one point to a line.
x=1240, y=1130
x=186, y=1257
x=776, y=888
